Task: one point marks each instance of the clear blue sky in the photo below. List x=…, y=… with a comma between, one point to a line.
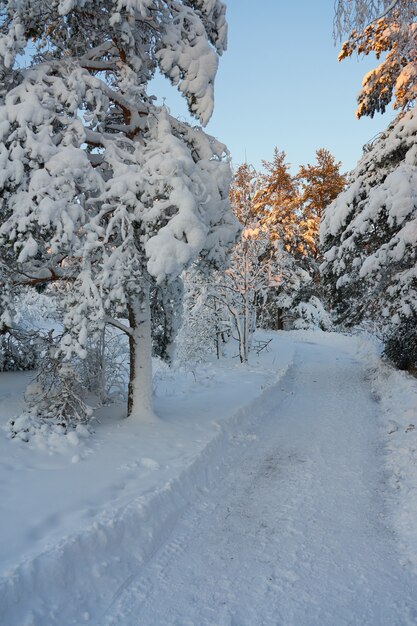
x=280, y=84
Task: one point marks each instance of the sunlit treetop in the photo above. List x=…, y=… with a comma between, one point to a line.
x=392, y=37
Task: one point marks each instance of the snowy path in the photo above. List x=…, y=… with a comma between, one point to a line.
x=294, y=534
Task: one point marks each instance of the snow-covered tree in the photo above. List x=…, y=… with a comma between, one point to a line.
x=102, y=190
x=388, y=29
x=206, y=323
x=276, y=201
x=369, y=235
x=284, y=211
x=22, y=343
x=278, y=308
x=256, y=264
x=166, y=314
x=166, y=210
x=243, y=192
x=310, y=315
x=250, y=273
x=289, y=207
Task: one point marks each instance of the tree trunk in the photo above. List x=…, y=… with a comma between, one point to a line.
x=218, y=330
x=139, y=403
x=242, y=335
x=280, y=319
x=245, y=347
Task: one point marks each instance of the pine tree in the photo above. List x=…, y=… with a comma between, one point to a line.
x=319, y=184
x=289, y=208
x=242, y=194
x=276, y=201
x=382, y=28
x=369, y=238
x=102, y=190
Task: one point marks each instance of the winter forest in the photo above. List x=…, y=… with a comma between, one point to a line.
x=208, y=393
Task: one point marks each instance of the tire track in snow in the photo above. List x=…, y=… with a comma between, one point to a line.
x=295, y=532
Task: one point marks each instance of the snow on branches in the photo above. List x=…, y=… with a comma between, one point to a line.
x=387, y=29
x=358, y=14
x=104, y=194
x=369, y=233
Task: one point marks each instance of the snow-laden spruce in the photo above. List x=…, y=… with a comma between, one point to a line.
x=369, y=233
x=104, y=194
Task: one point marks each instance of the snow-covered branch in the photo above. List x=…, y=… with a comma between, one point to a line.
x=113, y=322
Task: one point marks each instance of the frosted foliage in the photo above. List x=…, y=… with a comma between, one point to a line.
x=103, y=193
x=193, y=202
x=42, y=176
x=394, y=43
x=357, y=14
x=213, y=15
x=385, y=29
x=34, y=309
x=183, y=38
x=257, y=264
x=187, y=58
x=204, y=320
x=311, y=315
x=370, y=231
x=100, y=188
x=174, y=204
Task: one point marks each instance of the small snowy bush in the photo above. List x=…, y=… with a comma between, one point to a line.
x=401, y=345
x=18, y=350
x=55, y=400
x=311, y=315
x=58, y=394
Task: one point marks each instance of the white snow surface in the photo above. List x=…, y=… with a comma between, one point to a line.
x=279, y=493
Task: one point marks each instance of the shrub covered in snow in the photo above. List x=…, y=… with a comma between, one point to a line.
x=401, y=344
x=18, y=350
x=312, y=314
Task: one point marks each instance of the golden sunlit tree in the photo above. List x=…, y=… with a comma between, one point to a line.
x=242, y=193
x=320, y=184
x=276, y=201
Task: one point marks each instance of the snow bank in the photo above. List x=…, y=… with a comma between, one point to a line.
x=396, y=393
x=77, y=530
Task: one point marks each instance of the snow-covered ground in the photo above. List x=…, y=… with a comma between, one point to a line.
x=265, y=495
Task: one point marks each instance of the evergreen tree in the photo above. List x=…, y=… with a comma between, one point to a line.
x=289, y=208
x=101, y=189
x=369, y=238
x=242, y=194
x=276, y=201
x=320, y=184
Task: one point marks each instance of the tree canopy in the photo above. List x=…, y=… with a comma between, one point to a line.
x=101, y=189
